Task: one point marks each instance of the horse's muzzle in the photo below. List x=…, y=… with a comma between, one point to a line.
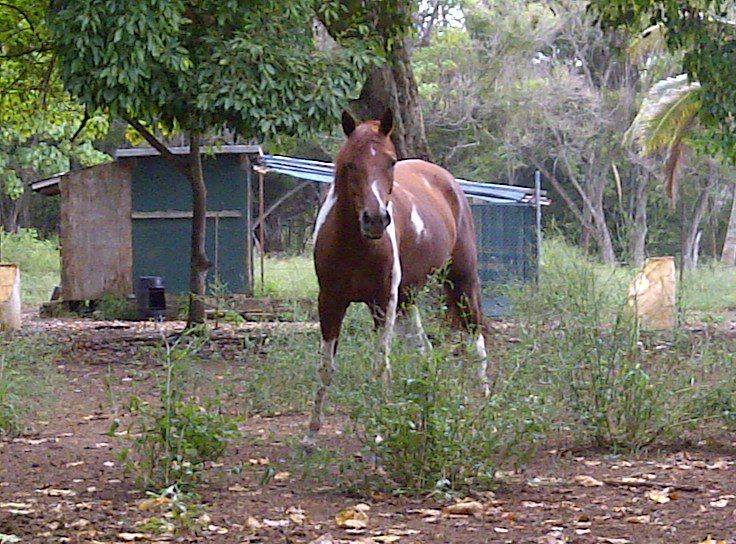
x=373, y=225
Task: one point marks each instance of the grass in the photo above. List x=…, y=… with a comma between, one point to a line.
x=26, y=377
x=286, y=277
x=39, y=263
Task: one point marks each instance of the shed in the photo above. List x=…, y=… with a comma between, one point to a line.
x=132, y=217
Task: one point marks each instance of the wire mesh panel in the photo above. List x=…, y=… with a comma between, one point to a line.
x=507, y=249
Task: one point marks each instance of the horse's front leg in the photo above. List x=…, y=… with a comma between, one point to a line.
x=331, y=314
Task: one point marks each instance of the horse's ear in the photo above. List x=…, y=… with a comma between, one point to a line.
x=348, y=123
x=387, y=122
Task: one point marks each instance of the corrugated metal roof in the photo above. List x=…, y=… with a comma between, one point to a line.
x=324, y=172
x=184, y=150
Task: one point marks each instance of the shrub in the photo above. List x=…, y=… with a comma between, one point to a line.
x=172, y=441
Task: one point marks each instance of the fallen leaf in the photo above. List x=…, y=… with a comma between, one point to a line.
x=326, y=538
x=237, y=488
x=276, y=522
x=152, y=503
x=531, y=504
x=386, y=539
x=660, y=497
x=609, y=540
x=501, y=530
x=587, y=481
x=130, y=537
x=8, y=539
x=252, y=523
x=639, y=519
x=296, y=515
x=709, y=540
x=720, y=503
x=351, y=518
x=718, y=465
x=259, y=461
x=75, y=464
x=464, y=508
x=56, y=492
x=281, y=476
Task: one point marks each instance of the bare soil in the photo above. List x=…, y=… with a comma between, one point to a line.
x=62, y=482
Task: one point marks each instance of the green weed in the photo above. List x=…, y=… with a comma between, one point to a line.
x=172, y=441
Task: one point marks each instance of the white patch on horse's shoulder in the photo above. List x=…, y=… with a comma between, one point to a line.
x=324, y=211
x=373, y=151
x=417, y=221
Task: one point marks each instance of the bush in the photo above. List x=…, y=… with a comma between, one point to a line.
x=172, y=441
x=39, y=263
x=435, y=430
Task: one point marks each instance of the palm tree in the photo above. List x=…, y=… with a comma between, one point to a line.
x=664, y=124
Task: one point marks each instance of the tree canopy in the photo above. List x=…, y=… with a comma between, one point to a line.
x=704, y=31
x=253, y=66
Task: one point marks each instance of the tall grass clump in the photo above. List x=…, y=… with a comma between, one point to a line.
x=172, y=440
x=38, y=259
x=612, y=385
x=26, y=375
x=433, y=430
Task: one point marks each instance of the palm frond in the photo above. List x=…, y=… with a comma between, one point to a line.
x=647, y=44
x=663, y=123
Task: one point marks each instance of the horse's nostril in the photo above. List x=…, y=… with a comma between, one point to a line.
x=386, y=219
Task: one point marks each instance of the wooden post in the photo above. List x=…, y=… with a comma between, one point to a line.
x=538, y=207
x=261, y=226
x=249, y=226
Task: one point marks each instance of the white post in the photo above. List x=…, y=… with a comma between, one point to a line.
x=9, y=297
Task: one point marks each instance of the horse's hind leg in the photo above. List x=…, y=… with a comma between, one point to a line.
x=331, y=314
x=463, y=292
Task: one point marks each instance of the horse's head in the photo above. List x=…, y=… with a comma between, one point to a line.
x=365, y=171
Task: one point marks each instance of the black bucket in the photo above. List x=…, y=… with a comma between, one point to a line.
x=151, y=297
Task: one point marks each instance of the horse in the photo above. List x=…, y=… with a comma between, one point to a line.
x=383, y=228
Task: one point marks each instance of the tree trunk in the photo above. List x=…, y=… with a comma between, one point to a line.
x=392, y=84
x=199, y=264
x=638, y=238
x=728, y=255
x=692, y=232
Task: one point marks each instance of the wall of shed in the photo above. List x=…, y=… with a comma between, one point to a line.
x=507, y=251
x=162, y=239
x=96, y=234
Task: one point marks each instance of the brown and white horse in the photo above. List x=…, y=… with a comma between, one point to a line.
x=383, y=228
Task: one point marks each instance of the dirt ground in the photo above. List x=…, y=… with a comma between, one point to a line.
x=64, y=483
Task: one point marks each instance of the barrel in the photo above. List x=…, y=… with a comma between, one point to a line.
x=150, y=296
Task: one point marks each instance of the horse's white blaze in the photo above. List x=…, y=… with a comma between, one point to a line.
x=417, y=221
x=393, y=300
x=324, y=211
x=377, y=194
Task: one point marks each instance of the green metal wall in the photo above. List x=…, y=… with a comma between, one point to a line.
x=507, y=251
x=161, y=247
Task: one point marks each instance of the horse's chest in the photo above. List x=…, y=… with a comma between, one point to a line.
x=360, y=278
